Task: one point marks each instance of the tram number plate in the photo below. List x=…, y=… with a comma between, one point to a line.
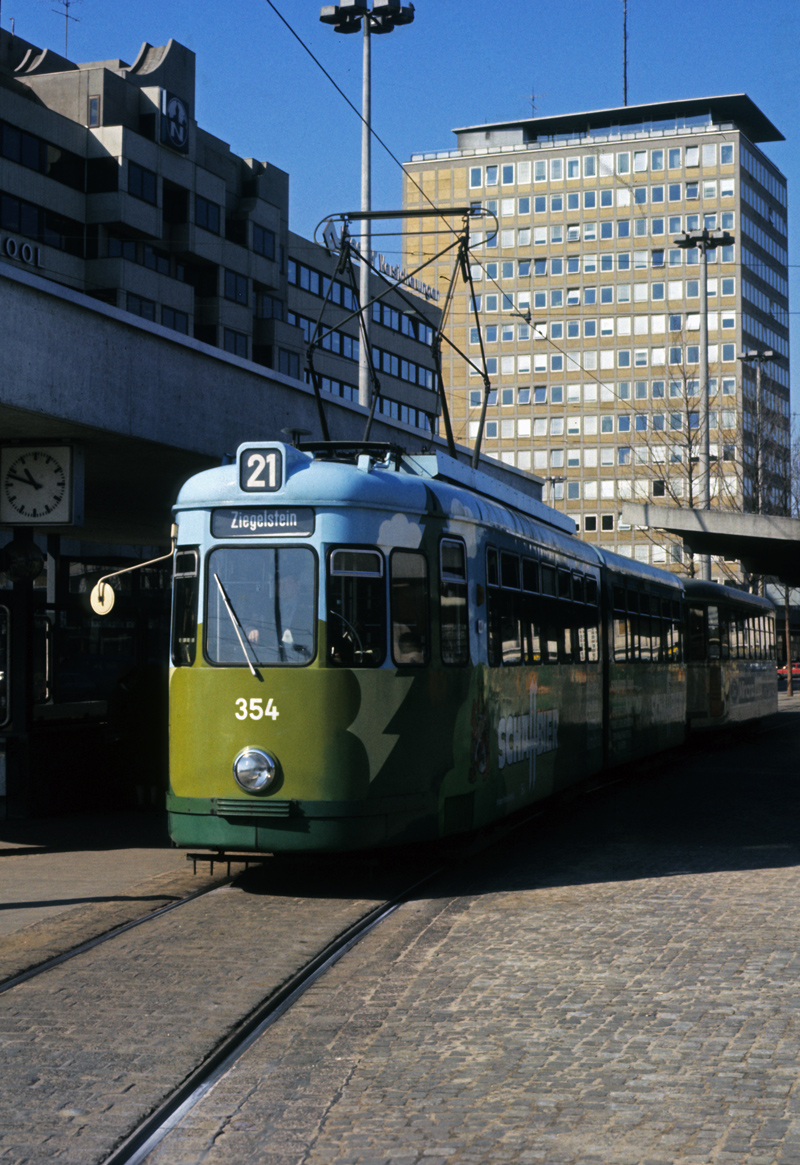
x=255, y=709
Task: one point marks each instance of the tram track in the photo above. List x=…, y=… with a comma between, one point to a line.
x=157, y=1126
x=138, y=1145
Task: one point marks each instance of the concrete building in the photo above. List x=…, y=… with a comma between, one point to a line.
x=590, y=312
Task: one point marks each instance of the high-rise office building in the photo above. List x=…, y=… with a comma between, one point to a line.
x=589, y=312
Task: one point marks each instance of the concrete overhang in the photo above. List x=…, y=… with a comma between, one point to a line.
x=763, y=543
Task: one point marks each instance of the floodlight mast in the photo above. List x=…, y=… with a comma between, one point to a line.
x=347, y=17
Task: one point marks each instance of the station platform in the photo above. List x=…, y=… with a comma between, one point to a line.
x=67, y=879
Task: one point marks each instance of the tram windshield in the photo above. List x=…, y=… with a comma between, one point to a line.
x=270, y=615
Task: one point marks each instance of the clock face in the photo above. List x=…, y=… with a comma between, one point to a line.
x=36, y=485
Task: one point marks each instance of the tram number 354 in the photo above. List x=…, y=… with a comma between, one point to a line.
x=256, y=709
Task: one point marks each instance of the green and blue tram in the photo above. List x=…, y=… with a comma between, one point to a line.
x=373, y=648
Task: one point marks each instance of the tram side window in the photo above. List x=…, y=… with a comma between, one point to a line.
x=356, y=608
x=530, y=617
x=453, y=617
x=713, y=632
x=494, y=625
x=510, y=609
x=724, y=634
x=674, y=632
x=554, y=582
x=620, y=626
x=737, y=637
x=646, y=654
x=261, y=606
x=185, y=597
x=696, y=635
x=408, y=572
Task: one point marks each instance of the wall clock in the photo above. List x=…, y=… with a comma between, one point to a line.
x=38, y=485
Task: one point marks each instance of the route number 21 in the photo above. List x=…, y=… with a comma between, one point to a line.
x=260, y=469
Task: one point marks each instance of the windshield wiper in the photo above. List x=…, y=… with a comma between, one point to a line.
x=236, y=625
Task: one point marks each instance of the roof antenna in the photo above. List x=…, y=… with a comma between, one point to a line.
x=624, y=52
x=64, y=8
x=533, y=96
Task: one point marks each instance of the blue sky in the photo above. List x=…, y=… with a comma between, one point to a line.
x=460, y=63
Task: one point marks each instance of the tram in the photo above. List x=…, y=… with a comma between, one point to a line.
x=371, y=647
x=730, y=656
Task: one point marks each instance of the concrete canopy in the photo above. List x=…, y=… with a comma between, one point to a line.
x=763, y=543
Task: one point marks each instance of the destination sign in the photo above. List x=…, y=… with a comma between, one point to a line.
x=262, y=521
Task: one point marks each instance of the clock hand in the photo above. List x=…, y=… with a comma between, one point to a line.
x=27, y=480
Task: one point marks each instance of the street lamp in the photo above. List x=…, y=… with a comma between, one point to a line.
x=347, y=17
x=705, y=240
x=553, y=482
x=758, y=358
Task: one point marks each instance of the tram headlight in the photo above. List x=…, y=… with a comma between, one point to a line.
x=254, y=770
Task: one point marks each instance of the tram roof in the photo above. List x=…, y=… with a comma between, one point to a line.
x=439, y=467
x=631, y=567
x=712, y=592
x=400, y=480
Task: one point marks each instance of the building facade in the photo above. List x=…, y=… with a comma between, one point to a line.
x=109, y=186
x=589, y=312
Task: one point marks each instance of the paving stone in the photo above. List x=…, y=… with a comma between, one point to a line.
x=622, y=988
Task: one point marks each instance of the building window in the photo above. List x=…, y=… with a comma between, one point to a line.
x=94, y=111
x=177, y=321
x=475, y=177
x=235, y=287
x=155, y=260
x=121, y=248
x=142, y=183
x=236, y=343
x=207, y=215
x=141, y=307
x=263, y=241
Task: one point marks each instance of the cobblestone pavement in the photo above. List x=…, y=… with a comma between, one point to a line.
x=619, y=986
x=90, y=1047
